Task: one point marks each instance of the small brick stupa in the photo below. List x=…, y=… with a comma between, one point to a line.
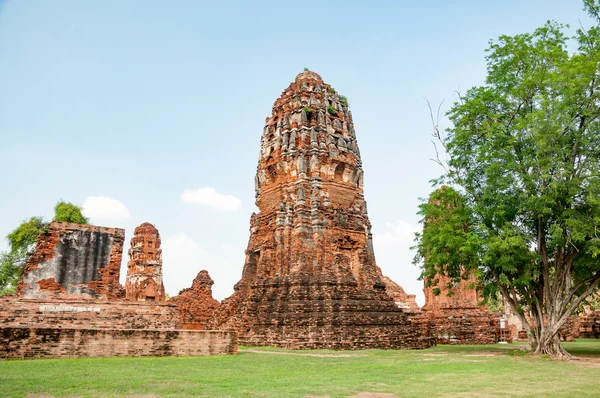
x=144, y=280
x=310, y=279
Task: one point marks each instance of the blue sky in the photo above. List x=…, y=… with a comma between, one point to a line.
x=139, y=101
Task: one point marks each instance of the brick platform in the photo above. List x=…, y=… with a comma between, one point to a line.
x=29, y=343
x=86, y=313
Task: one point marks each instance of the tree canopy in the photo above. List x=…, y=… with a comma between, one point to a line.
x=21, y=242
x=524, y=156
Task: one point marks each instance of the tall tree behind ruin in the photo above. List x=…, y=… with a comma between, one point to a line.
x=524, y=153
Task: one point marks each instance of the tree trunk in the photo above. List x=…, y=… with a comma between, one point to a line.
x=550, y=345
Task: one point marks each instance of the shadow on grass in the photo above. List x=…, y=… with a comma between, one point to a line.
x=583, y=347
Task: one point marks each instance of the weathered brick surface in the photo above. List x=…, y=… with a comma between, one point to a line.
x=310, y=279
x=586, y=325
x=144, y=280
x=86, y=313
x=401, y=298
x=25, y=343
x=69, y=302
x=75, y=259
x=464, y=325
x=196, y=305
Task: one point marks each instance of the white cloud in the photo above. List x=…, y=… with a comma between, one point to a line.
x=399, y=233
x=103, y=208
x=181, y=246
x=209, y=197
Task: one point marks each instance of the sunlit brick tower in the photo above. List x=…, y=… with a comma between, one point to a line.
x=310, y=278
x=144, y=270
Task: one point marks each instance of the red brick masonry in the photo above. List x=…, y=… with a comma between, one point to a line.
x=310, y=279
x=75, y=259
x=29, y=343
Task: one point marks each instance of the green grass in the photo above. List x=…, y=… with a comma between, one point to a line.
x=455, y=371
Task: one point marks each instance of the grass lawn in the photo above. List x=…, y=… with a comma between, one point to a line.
x=449, y=371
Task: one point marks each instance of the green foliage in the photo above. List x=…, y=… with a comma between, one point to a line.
x=344, y=100
x=524, y=152
x=331, y=109
x=308, y=110
x=68, y=212
x=22, y=239
x=21, y=243
x=331, y=90
x=10, y=273
x=306, y=70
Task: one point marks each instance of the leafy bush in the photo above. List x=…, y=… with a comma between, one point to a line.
x=331, y=109
x=68, y=212
x=308, y=110
x=344, y=100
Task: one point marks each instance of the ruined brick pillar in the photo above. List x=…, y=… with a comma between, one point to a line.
x=310, y=279
x=144, y=270
x=196, y=305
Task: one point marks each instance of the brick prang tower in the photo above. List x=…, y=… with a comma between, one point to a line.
x=310, y=279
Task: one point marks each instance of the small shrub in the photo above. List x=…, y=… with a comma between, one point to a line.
x=518, y=353
x=308, y=110
x=344, y=100
x=332, y=110
x=306, y=69
x=331, y=90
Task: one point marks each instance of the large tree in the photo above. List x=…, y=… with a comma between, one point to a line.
x=21, y=242
x=523, y=153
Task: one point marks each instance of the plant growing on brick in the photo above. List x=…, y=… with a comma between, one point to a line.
x=344, y=100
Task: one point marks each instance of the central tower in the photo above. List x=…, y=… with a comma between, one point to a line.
x=310, y=278
x=309, y=189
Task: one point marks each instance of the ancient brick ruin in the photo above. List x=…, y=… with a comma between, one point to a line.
x=196, y=305
x=401, y=298
x=586, y=325
x=70, y=303
x=310, y=279
x=456, y=316
x=144, y=270
x=75, y=259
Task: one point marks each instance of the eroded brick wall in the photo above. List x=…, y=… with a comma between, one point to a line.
x=464, y=326
x=25, y=343
x=401, y=298
x=75, y=259
x=587, y=325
